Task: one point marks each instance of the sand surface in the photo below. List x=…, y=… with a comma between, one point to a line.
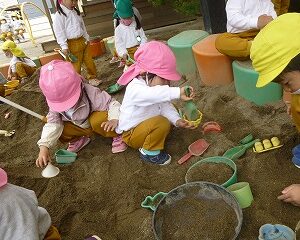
x=101, y=192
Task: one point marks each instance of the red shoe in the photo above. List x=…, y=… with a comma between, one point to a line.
x=76, y=146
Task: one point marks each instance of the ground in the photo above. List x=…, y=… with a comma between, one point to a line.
x=100, y=193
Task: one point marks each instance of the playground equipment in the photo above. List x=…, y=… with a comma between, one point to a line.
x=21, y=8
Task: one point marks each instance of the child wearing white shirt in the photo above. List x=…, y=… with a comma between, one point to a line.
x=6, y=30
x=129, y=34
x=73, y=38
x=18, y=27
x=245, y=18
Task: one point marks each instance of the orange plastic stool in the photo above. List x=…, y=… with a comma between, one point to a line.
x=49, y=57
x=95, y=48
x=214, y=67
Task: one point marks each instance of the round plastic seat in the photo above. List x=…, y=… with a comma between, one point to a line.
x=245, y=78
x=181, y=45
x=214, y=67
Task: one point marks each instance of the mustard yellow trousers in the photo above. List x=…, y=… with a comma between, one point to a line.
x=23, y=70
x=149, y=134
x=281, y=6
x=236, y=45
x=81, y=50
x=72, y=132
x=52, y=234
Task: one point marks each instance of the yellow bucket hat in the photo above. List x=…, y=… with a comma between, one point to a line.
x=275, y=46
x=15, y=50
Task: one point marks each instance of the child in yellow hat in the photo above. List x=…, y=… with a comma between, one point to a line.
x=21, y=67
x=275, y=53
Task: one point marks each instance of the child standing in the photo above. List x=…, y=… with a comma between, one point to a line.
x=6, y=30
x=76, y=111
x=146, y=111
x=21, y=67
x=245, y=18
x=276, y=58
x=18, y=27
x=20, y=215
x=129, y=34
x=73, y=38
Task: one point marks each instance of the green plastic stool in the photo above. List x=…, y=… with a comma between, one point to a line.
x=245, y=78
x=181, y=45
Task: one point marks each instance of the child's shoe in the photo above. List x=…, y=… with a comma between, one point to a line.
x=94, y=237
x=118, y=145
x=162, y=158
x=114, y=60
x=95, y=82
x=76, y=146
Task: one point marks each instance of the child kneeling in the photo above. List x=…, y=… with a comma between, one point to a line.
x=146, y=112
x=76, y=110
x=20, y=67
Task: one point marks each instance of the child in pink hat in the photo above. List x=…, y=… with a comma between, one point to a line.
x=76, y=111
x=146, y=111
x=20, y=215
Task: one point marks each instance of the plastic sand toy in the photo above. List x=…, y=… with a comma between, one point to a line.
x=64, y=156
x=195, y=149
x=7, y=133
x=211, y=127
x=267, y=145
x=50, y=171
x=238, y=151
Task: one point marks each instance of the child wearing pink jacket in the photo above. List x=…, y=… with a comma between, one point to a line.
x=76, y=111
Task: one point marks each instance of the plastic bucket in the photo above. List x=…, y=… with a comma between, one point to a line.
x=64, y=156
x=199, y=192
x=242, y=192
x=217, y=159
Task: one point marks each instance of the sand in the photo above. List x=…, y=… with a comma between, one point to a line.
x=100, y=193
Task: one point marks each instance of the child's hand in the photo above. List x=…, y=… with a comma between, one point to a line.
x=66, y=52
x=291, y=194
x=9, y=76
x=110, y=125
x=288, y=107
x=184, y=97
x=184, y=124
x=263, y=20
x=43, y=158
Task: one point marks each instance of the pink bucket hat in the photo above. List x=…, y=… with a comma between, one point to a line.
x=153, y=57
x=60, y=84
x=3, y=177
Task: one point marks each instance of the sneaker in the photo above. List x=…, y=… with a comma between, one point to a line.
x=162, y=158
x=94, y=237
x=76, y=146
x=118, y=145
x=114, y=60
x=95, y=82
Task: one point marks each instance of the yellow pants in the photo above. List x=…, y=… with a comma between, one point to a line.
x=5, y=36
x=236, y=45
x=149, y=134
x=295, y=110
x=72, y=132
x=52, y=234
x=131, y=52
x=23, y=70
x=81, y=50
x=281, y=6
